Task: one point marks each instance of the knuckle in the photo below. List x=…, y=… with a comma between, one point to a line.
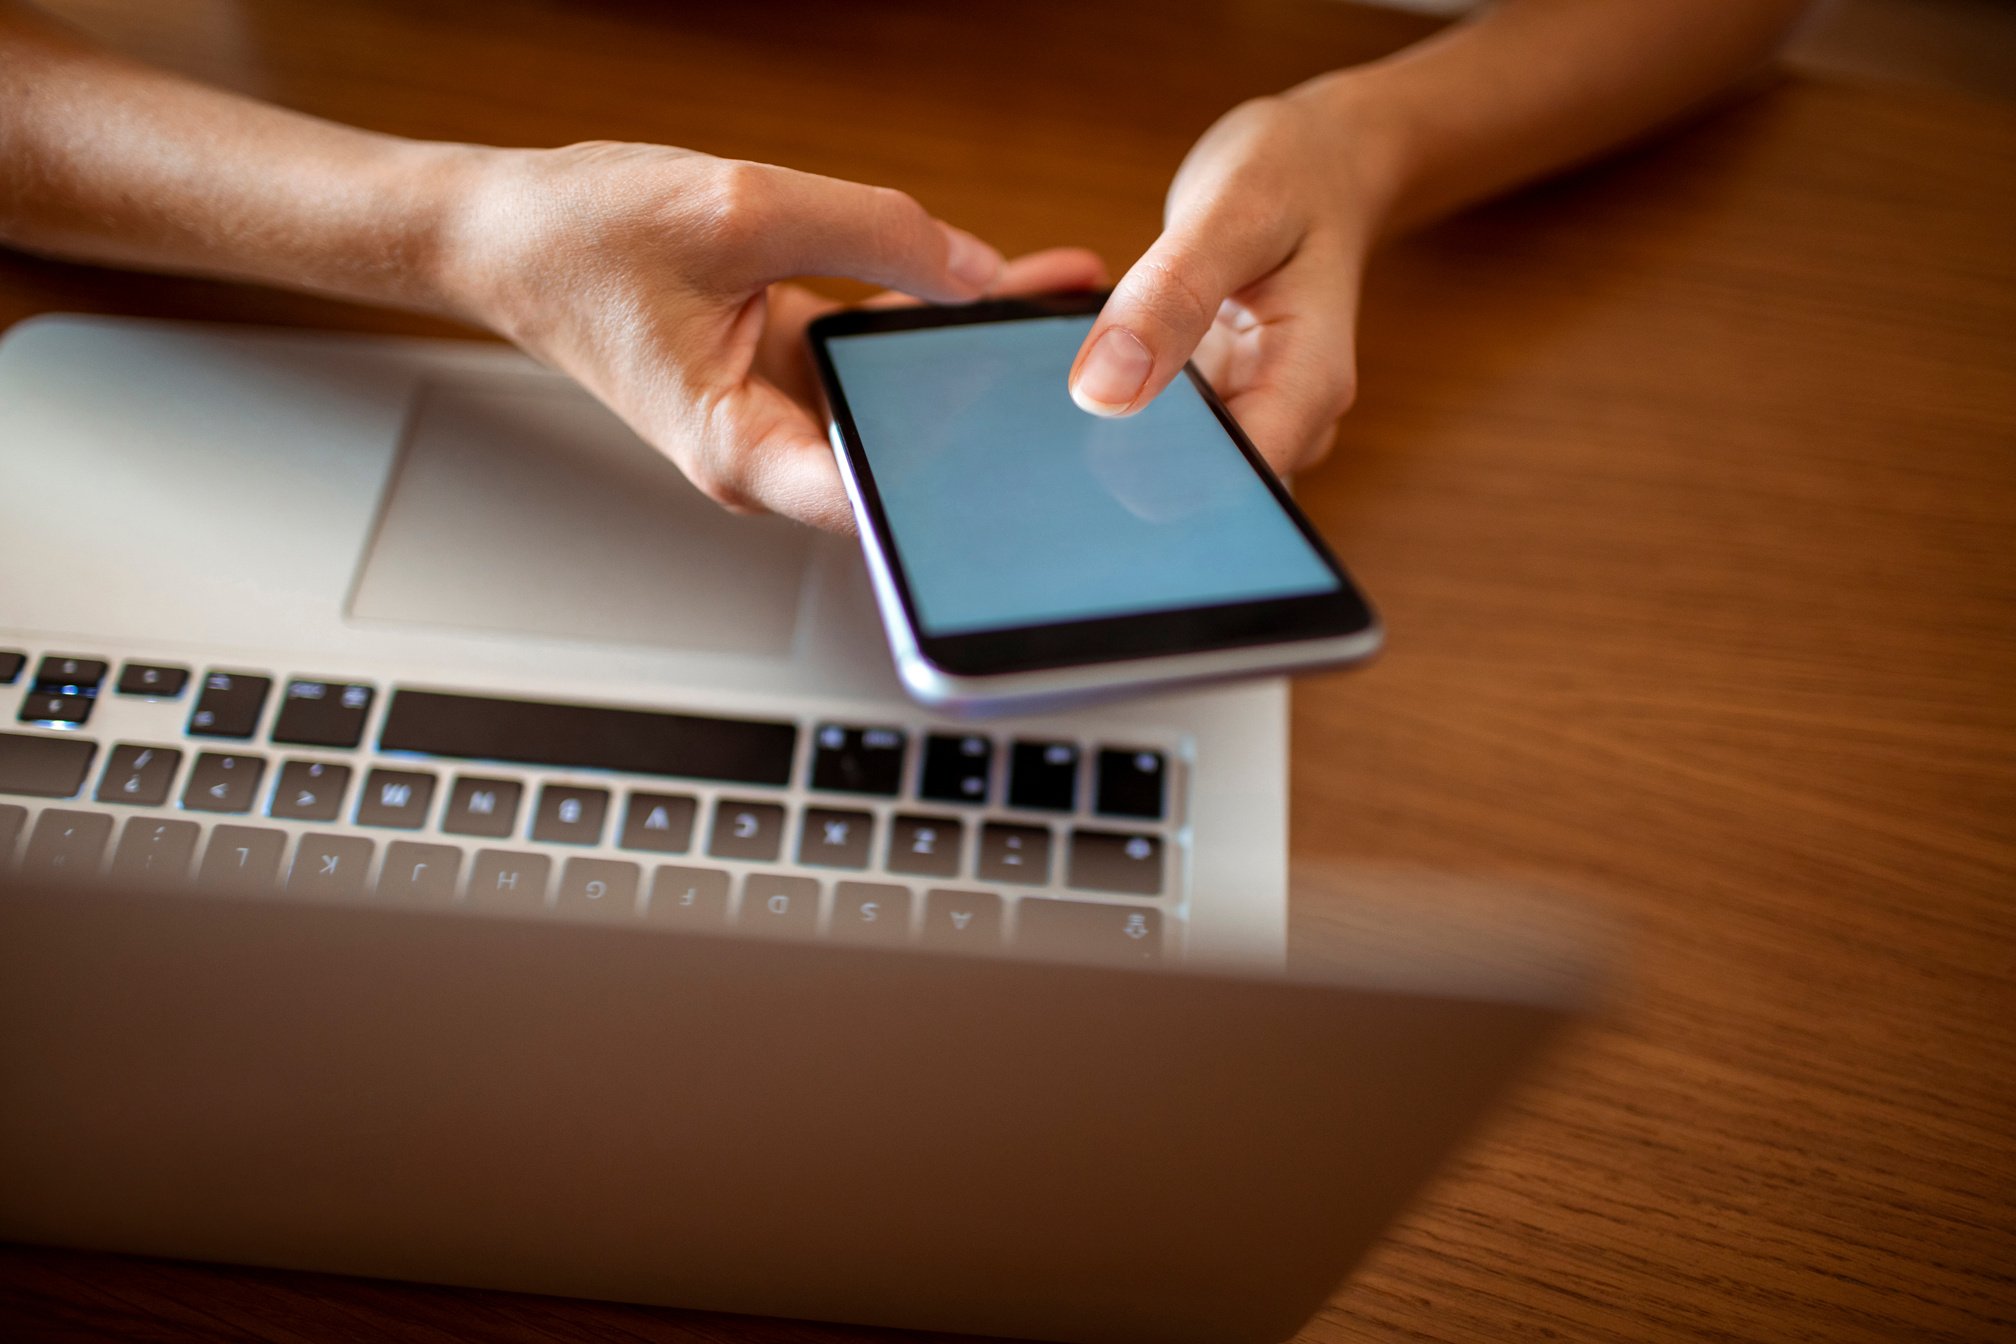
x=736, y=198
x=1168, y=294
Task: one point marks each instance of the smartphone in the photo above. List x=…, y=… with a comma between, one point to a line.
x=1028, y=555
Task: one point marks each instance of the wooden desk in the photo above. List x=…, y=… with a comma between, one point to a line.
x=1688, y=487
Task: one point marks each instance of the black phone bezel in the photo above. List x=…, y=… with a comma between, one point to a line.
x=1338, y=613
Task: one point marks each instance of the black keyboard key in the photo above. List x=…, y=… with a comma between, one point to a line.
x=605, y=887
x=153, y=849
x=871, y=912
x=688, y=898
x=1080, y=931
x=832, y=839
x=570, y=816
x=507, y=879
x=396, y=798
x=1132, y=784
x=745, y=830
x=926, y=846
x=635, y=741
x=323, y=714
x=333, y=867
x=61, y=675
x=858, y=760
x=56, y=709
x=11, y=663
x=153, y=680
x=1111, y=861
x=67, y=844
x=956, y=769
x=420, y=873
x=223, y=783
x=44, y=767
x=1019, y=854
x=310, y=791
x=660, y=822
x=962, y=921
x=13, y=818
x=485, y=807
x=229, y=705
x=774, y=904
x=139, y=775
x=1044, y=775
x=242, y=859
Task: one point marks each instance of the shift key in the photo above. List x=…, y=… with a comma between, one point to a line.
x=44, y=767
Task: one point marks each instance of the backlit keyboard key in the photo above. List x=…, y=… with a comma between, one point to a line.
x=69, y=676
x=1112, y=861
x=1018, y=854
x=323, y=714
x=774, y=904
x=12, y=820
x=139, y=775
x=1044, y=775
x=744, y=830
x=1080, y=931
x=599, y=887
x=310, y=791
x=425, y=874
x=833, y=839
x=153, y=849
x=505, y=879
x=570, y=816
x=956, y=768
x=57, y=710
x=229, y=705
x=396, y=798
x=858, y=760
x=588, y=737
x=242, y=859
x=485, y=807
x=688, y=898
x=223, y=783
x=1131, y=784
x=965, y=921
x=36, y=766
x=330, y=866
x=926, y=846
x=659, y=822
x=11, y=662
x=871, y=912
x=67, y=844
x=153, y=680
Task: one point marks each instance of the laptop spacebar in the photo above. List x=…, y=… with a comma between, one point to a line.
x=643, y=742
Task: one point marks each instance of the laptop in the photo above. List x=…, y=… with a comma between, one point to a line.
x=423, y=617
x=437, y=844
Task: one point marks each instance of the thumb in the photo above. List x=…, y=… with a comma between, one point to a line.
x=1162, y=307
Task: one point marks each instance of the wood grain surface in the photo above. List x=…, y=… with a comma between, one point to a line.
x=1688, y=488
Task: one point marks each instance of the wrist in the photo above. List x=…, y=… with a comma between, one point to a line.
x=1365, y=139
x=442, y=258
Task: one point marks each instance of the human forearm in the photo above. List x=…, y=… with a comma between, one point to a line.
x=106, y=160
x=1532, y=86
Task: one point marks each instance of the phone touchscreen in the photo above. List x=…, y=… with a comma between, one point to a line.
x=1010, y=507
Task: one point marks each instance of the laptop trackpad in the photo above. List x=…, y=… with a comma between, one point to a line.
x=524, y=506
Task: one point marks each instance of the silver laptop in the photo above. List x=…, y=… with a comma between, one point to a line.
x=423, y=617
x=412, y=632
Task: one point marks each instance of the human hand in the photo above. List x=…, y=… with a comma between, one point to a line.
x=1256, y=274
x=647, y=274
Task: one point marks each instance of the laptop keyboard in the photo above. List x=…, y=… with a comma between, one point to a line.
x=883, y=833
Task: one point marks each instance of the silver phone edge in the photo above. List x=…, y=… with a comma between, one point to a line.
x=1069, y=688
